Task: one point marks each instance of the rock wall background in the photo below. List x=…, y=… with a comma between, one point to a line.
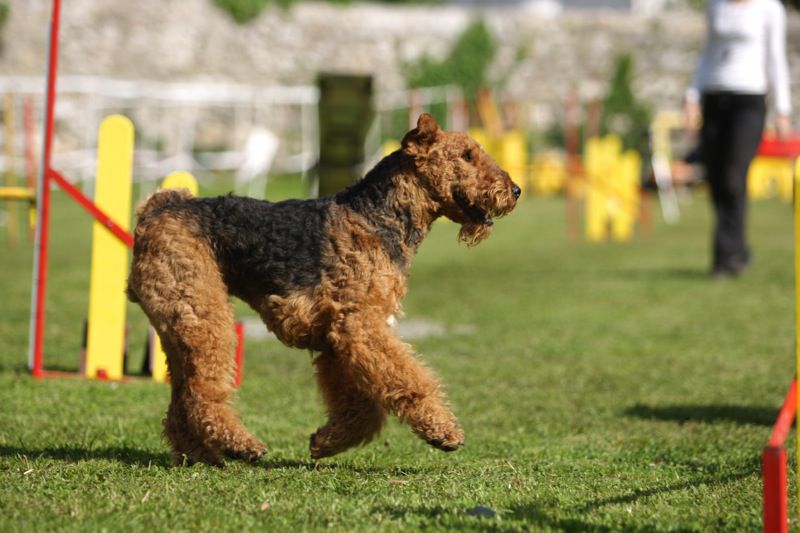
x=185, y=40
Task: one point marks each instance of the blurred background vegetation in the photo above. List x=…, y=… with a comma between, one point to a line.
x=243, y=11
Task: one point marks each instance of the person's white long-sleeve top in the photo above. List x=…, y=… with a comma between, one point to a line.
x=745, y=51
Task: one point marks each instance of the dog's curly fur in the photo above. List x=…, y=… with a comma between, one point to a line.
x=324, y=275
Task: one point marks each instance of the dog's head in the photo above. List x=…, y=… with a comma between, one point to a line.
x=459, y=176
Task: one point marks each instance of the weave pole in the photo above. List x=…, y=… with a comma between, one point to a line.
x=39, y=283
x=797, y=295
x=773, y=459
x=773, y=467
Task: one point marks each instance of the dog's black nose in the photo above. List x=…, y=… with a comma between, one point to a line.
x=516, y=191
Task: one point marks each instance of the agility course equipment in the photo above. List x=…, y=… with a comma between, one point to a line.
x=548, y=174
x=111, y=239
x=106, y=328
x=773, y=458
x=773, y=467
x=11, y=177
x=46, y=178
x=613, y=189
x=17, y=193
x=660, y=133
x=771, y=172
x=12, y=193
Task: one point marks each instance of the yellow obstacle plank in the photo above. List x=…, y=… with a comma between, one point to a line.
x=17, y=193
x=109, y=264
x=595, y=201
x=613, y=189
x=627, y=193
x=548, y=174
x=390, y=146
x=513, y=151
x=769, y=177
x=158, y=360
x=181, y=180
x=483, y=138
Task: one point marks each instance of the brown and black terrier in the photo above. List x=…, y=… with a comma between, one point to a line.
x=325, y=275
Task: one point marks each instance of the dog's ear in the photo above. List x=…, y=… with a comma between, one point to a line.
x=418, y=140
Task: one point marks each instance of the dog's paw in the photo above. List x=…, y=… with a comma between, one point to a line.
x=449, y=442
x=438, y=427
x=249, y=453
x=318, y=447
x=197, y=455
x=323, y=444
x=248, y=456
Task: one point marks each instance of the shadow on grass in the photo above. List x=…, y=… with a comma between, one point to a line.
x=452, y=518
x=299, y=464
x=657, y=274
x=536, y=516
x=740, y=414
x=135, y=456
x=539, y=516
x=71, y=454
x=459, y=518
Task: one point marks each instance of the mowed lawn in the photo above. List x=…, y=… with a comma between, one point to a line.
x=601, y=387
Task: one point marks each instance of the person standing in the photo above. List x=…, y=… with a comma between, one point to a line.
x=743, y=56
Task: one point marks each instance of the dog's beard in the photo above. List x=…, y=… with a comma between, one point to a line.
x=472, y=233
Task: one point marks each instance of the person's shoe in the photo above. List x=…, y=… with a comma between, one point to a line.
x=723, y=273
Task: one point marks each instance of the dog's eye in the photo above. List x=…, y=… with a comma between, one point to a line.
x=467, y=155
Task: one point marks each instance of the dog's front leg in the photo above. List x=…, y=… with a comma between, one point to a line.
x=382, y=367
x=354, y=417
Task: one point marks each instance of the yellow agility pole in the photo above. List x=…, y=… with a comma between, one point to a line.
x=158, y=360
x=106, y=330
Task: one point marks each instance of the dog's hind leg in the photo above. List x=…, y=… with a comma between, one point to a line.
x=186, y=444
x=178, y=284
x=354, y=417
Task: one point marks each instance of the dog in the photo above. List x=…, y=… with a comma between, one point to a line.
x=325, y=275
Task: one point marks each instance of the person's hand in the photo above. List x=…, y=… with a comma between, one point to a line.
x=783, y=127
x=691, y=110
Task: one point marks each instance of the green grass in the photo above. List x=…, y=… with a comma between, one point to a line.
x=601, y=387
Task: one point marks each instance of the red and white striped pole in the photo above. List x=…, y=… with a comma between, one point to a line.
x=39, y=285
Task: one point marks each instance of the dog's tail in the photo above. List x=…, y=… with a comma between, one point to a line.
x=160, y=199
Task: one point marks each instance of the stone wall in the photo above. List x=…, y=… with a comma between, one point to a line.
x=180, y=40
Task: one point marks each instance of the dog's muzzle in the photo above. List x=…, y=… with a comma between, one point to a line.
x=474, y=213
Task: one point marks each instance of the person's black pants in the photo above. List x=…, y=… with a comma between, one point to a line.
x=732, y=127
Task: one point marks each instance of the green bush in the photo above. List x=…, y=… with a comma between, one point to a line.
x=5, y=10
x=623, y=114
x=466, y=66
x=243, y=11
